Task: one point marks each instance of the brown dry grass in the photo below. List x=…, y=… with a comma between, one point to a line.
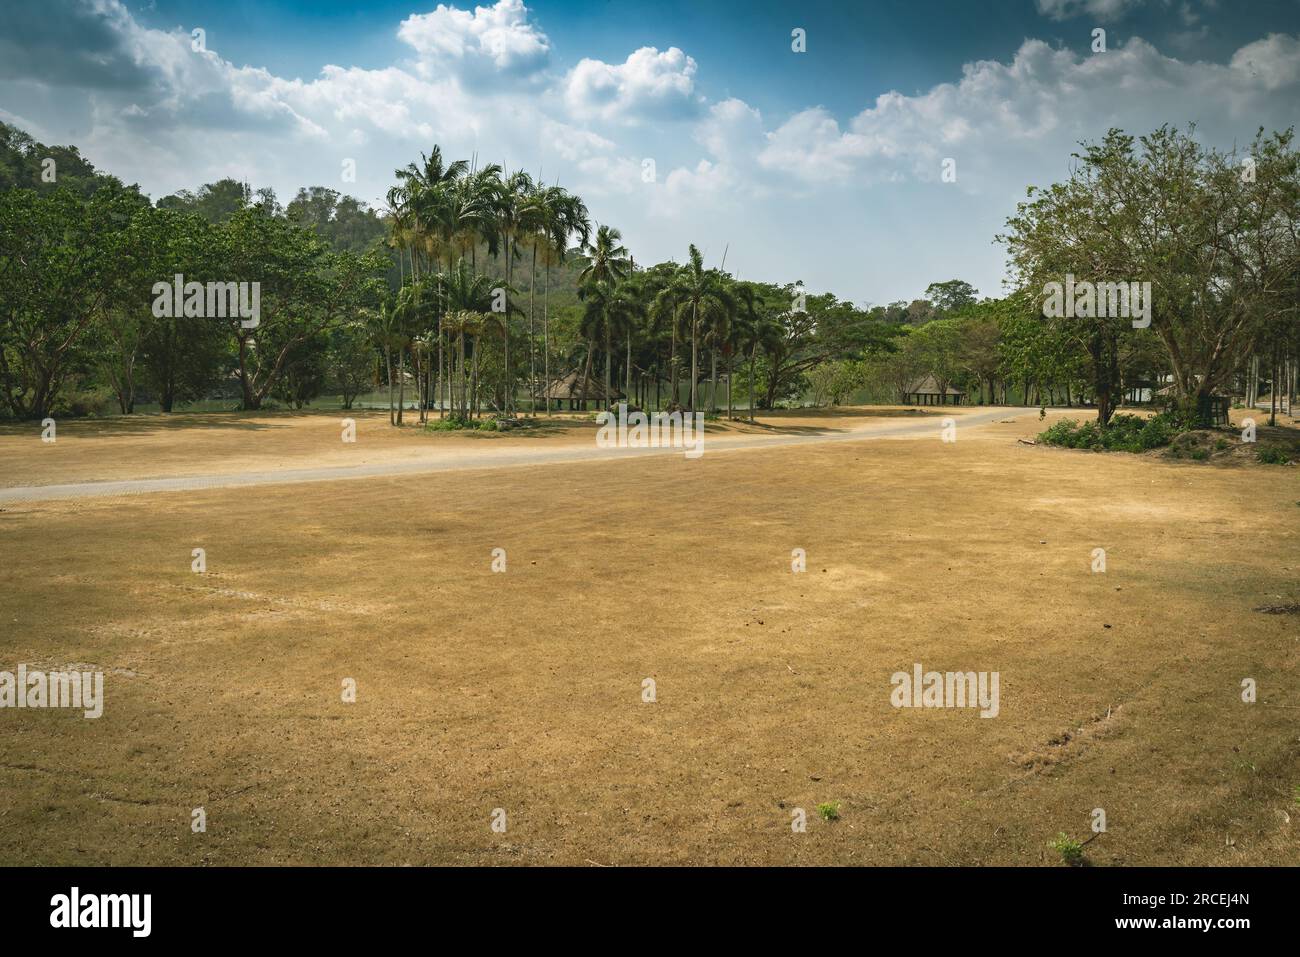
x=523, y=690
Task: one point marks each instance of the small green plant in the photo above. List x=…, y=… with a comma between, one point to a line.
x=1297, y=795
x=1272, y=455
x=1071, y=851
x=830, y=811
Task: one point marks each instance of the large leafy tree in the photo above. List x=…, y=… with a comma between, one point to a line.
x=306, y=290
x=1215, y=238
x=57, y=268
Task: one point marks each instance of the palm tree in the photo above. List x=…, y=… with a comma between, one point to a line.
x=608, y=261
x=605, y=270
x=558, y=216
x=513, y=209
x=468, y=299
x=703, y=295
x=755, y=328
x=424, y=201
x=402, y=330
x=471, y=211
x=609, y=307
x=424, y=189
x=657, y=283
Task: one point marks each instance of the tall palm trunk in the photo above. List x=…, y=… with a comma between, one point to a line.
x=401, y=382
x=609, y=363
x=586, y=371
x=695, y=353
x=460, y=376
x=505, y=324
x=672, y=359
x=473, y=375
x=546, y=335
x=627, y=365
x=713, y=385
x=753, y=362
x=388, y=365
x=532, y=330
x=438, y=389
x=731, y=364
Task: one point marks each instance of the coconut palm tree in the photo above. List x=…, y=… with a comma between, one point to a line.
x=605, y=270
x=424, y=189
x=513, y=210
x=609, y=307
x=468, y=299
x=471, y=211
x=559, y=216
x=702, y=297
x=608, y=260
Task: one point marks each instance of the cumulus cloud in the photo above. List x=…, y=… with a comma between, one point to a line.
x=1274, y=62
x=491, y=40
x=1104, y=10
x=1002, y=119
x=649, y=84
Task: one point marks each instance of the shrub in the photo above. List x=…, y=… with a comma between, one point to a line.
x=1272, y=455
x=1124, y=433
x=451, y=423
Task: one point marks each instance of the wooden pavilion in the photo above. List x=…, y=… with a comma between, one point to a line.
x=577, y=392
x=926, y=391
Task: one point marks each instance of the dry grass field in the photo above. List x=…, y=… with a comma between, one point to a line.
x=522, y=690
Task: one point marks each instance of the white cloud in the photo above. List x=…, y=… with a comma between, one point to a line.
x=1274, y=61
x=496, y=39
x=1002, y=120
x=1105, y=10
x=650, y=84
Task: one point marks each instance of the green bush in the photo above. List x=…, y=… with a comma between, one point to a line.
x=451, y=423
x=1124, y=433
x=1272, y=455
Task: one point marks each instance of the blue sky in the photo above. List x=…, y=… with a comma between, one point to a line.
x=823, y=166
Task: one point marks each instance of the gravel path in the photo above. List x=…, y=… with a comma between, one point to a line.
x=480, y=458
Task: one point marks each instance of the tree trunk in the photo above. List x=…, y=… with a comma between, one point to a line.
x=388, y=365
x=753, y=362
x=695, y=355
x=546, y=335
x=401, y=382
x=713, y=381
x=532, y=330
x=672, y=360
x=609, y=364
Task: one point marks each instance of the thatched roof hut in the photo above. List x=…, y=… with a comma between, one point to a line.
x=926, y=391
x=574, y=388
